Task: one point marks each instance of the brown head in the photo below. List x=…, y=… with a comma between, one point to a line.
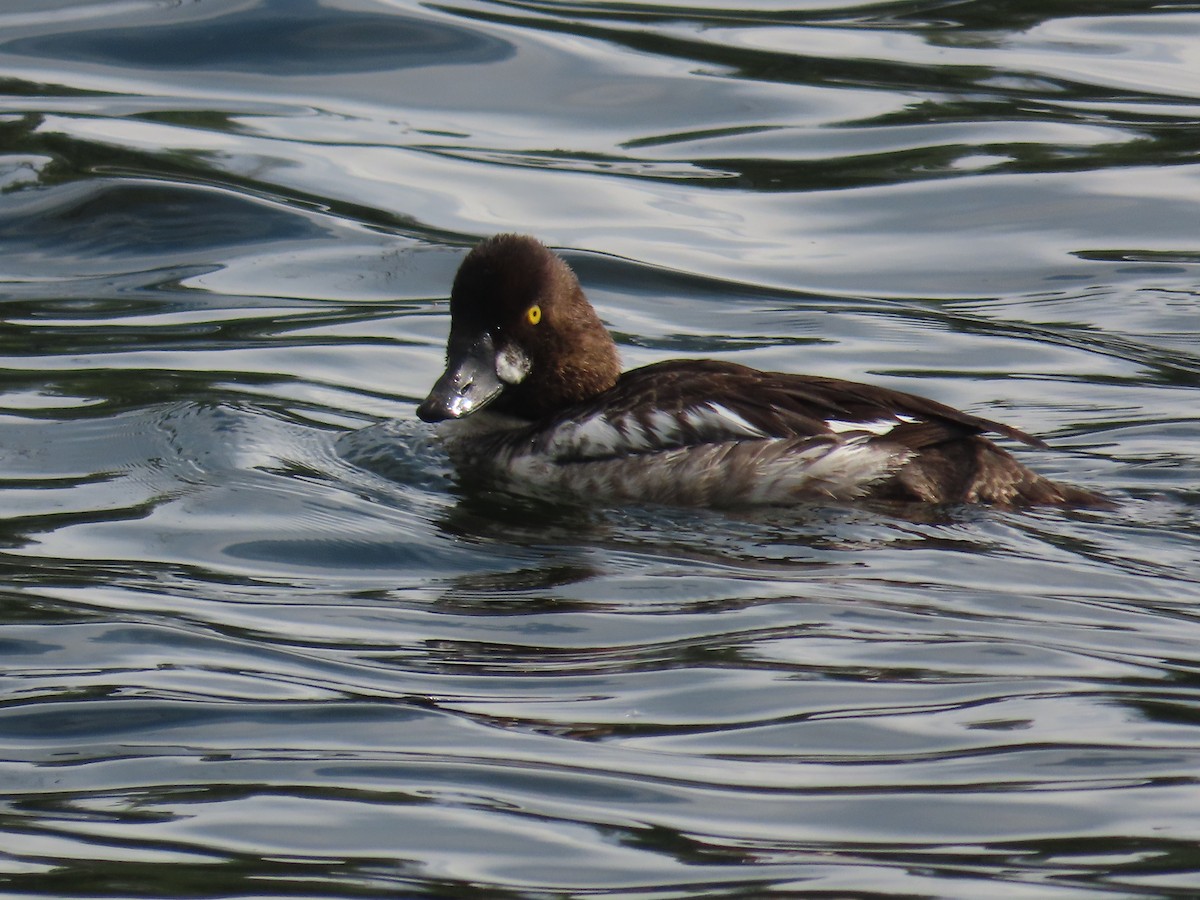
x=524, y=339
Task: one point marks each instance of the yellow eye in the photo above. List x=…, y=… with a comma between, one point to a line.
x=534, y=314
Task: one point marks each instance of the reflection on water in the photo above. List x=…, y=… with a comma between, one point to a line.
x=270, y=37
x=255, y=632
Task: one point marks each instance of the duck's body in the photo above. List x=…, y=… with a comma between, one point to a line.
x=561, y=418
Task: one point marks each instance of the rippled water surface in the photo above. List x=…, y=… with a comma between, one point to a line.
x=256, y=640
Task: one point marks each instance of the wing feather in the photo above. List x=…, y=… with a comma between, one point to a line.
x=682, y=403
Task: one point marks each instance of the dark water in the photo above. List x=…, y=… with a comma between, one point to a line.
x=256, y=642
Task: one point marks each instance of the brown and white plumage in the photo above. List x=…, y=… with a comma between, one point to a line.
x=527, y=348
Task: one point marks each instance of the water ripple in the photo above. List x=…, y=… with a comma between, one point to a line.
x=256, y=633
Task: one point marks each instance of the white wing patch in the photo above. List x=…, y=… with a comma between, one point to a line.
x=874, y=426
x=664, y=426
x=601, y=435
x=594, y=436
x=714, y=419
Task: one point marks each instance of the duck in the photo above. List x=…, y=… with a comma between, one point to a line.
x=533, y=399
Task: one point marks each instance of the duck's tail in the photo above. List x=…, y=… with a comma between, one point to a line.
x=974, y=470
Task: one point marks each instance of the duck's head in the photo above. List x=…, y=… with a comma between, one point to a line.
x=523, y=338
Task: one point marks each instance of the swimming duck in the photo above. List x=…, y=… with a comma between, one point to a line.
x=537, y=401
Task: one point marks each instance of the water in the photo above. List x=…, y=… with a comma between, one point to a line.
x=256, y=641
